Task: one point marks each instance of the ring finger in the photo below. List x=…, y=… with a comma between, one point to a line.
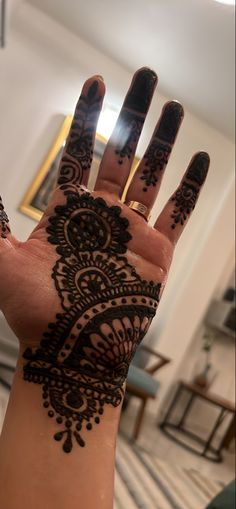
x=146, y=181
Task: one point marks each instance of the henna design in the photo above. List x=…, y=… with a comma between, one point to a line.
x=140, y=94
x=185, y=199
x=83, y=358
x=4, y=227
x=186, y=196
x=158, y=152
x=135, y=107
x=79, y=150
x=130, y=127
x=156, y=158
x=198, y=168
x=170, y=122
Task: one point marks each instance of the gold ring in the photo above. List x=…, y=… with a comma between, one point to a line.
x=140, y=209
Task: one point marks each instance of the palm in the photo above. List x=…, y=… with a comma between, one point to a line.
x=28, y=295
x=82, y=291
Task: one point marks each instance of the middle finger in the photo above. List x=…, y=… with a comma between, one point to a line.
x=120, y=150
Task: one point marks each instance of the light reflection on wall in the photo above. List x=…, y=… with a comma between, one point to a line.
x=107, y=121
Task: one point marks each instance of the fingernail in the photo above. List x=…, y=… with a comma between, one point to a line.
x=198, y=168
x=99, y=77
x=141, y=91
x=146, y=70
x=170, y=121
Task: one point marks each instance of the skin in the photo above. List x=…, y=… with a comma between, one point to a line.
x=32, y=466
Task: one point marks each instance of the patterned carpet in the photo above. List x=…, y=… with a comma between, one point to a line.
x=145, y=482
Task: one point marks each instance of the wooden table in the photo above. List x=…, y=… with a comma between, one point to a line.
x=178, y=432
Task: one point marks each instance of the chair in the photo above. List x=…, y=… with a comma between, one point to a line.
x=141, y=383
x=225, y=499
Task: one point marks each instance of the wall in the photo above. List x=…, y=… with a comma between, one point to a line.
x=206, y=270
x=222, y=358
x=42, y=70
x=223, y=349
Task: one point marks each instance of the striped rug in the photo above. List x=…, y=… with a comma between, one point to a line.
x=144, y=482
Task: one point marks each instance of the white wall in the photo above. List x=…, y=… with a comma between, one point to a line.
x=42, y=70
x=222, y=358
x=222, y=354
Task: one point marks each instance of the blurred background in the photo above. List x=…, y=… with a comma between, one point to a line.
x=49, y=47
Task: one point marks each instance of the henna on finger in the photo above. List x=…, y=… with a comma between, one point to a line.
x=120, y=150
x=186, y=196
x=156, y=158
x=127, y=134
x=107, y=308
x=133, y=113
x=176, y=212
x=4, y=222
x=159, y=150
x=147, y=178
x=77, y=157
x=131, y=119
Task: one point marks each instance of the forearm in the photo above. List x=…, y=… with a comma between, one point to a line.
x=34, y=468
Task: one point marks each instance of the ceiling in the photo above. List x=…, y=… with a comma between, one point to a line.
x=190, y=43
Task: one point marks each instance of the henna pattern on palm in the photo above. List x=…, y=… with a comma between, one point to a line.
x=4, y=222
x=83, y=358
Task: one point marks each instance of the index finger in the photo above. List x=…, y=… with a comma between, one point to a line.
x=77, y=155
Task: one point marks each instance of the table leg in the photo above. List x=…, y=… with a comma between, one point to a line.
x=215, y=428
x=223, y=440
x=186, y=411
x=172, y=405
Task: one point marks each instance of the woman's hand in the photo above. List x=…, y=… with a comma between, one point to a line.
x=81, y=292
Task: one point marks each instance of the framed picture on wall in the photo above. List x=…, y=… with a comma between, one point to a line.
x=38, y=195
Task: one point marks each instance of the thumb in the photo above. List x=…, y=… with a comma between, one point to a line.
x=4, y=222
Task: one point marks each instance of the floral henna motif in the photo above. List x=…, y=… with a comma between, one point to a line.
x=130, y=129
x=186, y=196
x=83, y=358
x=158, y=153
x=79, y=151
x=156, y=158
x=185, y=199
x=4, y=227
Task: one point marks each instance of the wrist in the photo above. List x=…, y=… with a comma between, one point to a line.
x=77, y=396
x=27, y=450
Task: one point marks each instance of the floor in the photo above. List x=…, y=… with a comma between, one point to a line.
x=152, y=440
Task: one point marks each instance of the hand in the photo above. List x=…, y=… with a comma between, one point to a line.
x=81, y=292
